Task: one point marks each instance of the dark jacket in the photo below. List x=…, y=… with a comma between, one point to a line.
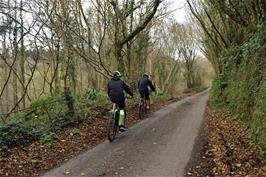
x=144, y=83
x=116, y=89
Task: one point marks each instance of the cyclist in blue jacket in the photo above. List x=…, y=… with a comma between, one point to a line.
x=144, y=84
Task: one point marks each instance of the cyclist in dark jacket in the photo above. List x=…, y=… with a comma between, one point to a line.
x=144, y=84
x=116, y=88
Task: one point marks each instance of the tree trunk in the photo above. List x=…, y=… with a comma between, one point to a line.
x=69, y=101
x=56, y=63
x=22, y=56
x=15, y=53
x=119, y=58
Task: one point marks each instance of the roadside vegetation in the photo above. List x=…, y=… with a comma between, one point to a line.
x=234, y=41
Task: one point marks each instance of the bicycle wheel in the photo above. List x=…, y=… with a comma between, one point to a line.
x=145, y=110
x=141, y=110
x=111, y=128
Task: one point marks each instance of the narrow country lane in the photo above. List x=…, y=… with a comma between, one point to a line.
x=160, y=145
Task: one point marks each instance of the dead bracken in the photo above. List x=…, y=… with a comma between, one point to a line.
x=227, y=149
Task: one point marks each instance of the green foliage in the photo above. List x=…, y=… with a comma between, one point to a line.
x=258, y=123
x=48, y=115
x=94, y=97
x=15, y=135
x=75, y=133
x=48, y=139
x=42, y=111
x=91, y=94
x=242, y=86
x=61, y=121
x=216, y=94
x=86, y=103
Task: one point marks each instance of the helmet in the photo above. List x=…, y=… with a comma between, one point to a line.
x=117, y=74
x=146, y=74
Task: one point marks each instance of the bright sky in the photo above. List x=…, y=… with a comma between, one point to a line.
x=180, y=13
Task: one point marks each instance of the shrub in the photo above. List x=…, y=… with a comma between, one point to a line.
x=12, y=135
x=242, y=86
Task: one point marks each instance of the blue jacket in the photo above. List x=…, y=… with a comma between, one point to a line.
x=144, y=83
x=116, y=88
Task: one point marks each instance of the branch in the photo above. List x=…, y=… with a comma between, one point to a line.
x=215, y=28
x=201, y=22
x=139, y=28
x=132, y=9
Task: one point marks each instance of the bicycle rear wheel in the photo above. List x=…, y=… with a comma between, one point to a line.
x=141, y=110
x=111, y=129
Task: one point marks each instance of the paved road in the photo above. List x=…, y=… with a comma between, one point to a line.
x=160, y=145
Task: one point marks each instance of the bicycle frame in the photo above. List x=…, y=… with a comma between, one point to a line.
x=145, y=102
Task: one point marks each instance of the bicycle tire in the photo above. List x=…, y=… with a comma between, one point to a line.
x=111, y=129
x=141, y=110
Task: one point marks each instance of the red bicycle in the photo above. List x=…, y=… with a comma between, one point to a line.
x=143, y=108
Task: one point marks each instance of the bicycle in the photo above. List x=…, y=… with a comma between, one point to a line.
x=142, y=107
x=143, y=104
x=113, y=123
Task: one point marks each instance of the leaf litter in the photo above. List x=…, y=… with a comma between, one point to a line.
x=224, y=149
